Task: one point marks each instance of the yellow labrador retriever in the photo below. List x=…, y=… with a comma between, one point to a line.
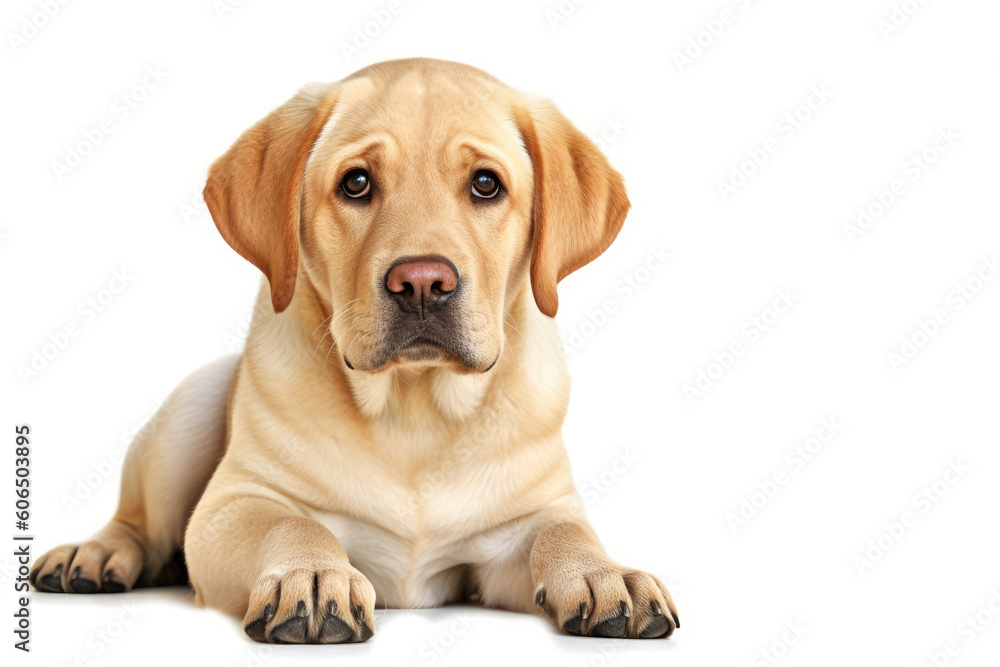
x=391, y=434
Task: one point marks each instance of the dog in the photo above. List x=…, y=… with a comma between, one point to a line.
x=391, y=433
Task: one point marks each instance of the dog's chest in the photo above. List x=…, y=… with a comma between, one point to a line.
x=406, y=571
x=413, y=529
x=413, y=508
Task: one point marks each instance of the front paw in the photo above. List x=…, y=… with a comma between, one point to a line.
x=111, y=562
x=304, y=606
x=608, y=601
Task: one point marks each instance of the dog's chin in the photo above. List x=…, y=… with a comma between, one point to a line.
x=424, y=352
x=420, y=353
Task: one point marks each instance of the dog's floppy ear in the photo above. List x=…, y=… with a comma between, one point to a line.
x=579, y=200
x=254, y=189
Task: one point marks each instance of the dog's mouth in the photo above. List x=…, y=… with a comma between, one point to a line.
x=420, y=349
x=439, y=337
x=423, y=349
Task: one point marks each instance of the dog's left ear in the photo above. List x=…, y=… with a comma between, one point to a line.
x=580, y=202
x=254, y=190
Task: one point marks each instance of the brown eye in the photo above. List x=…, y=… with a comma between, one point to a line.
x=485, y=184
x=356, y=183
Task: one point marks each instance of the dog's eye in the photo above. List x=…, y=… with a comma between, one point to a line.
x=356, y=183
x=485, y=184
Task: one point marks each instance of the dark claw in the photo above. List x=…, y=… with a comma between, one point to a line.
x=334, y=630
x=614, y=626
x=292, y=631
x=52, y=582
x=365, y=632
x=657, y=627
x=81, y=584
x=300, y=610
x=257, y=630
x=657, y=611
x=572, y=625
x=112, y=585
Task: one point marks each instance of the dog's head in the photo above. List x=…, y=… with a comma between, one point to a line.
x=416, y=197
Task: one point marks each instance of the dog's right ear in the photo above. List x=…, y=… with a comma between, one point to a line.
x=254, y=190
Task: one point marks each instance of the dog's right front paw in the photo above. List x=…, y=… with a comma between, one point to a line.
x=300, y=606
x=109, y=563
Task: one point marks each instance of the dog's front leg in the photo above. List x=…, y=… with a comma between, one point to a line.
x=286, y=574
x=586, y=593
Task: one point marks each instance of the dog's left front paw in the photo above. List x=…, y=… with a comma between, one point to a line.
x=327, y=605
x=608, y=601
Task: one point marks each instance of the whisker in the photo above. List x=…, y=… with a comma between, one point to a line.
x=363, y=336
x=399, y=392
x=321, y=324
x=512, y=324
x=333, y=314
x=354, y=323
x=343, y=310
x=345, y=313
x=353, y=339
x=320, y=343
x=334, y=344
x=323, y=337
x=329, y=331
x=512, y=355
x=506, y=312
x=498, y=319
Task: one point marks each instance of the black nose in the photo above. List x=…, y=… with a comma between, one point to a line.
x=422, y=285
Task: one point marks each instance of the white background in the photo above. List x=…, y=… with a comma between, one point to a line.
x=133, y=204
